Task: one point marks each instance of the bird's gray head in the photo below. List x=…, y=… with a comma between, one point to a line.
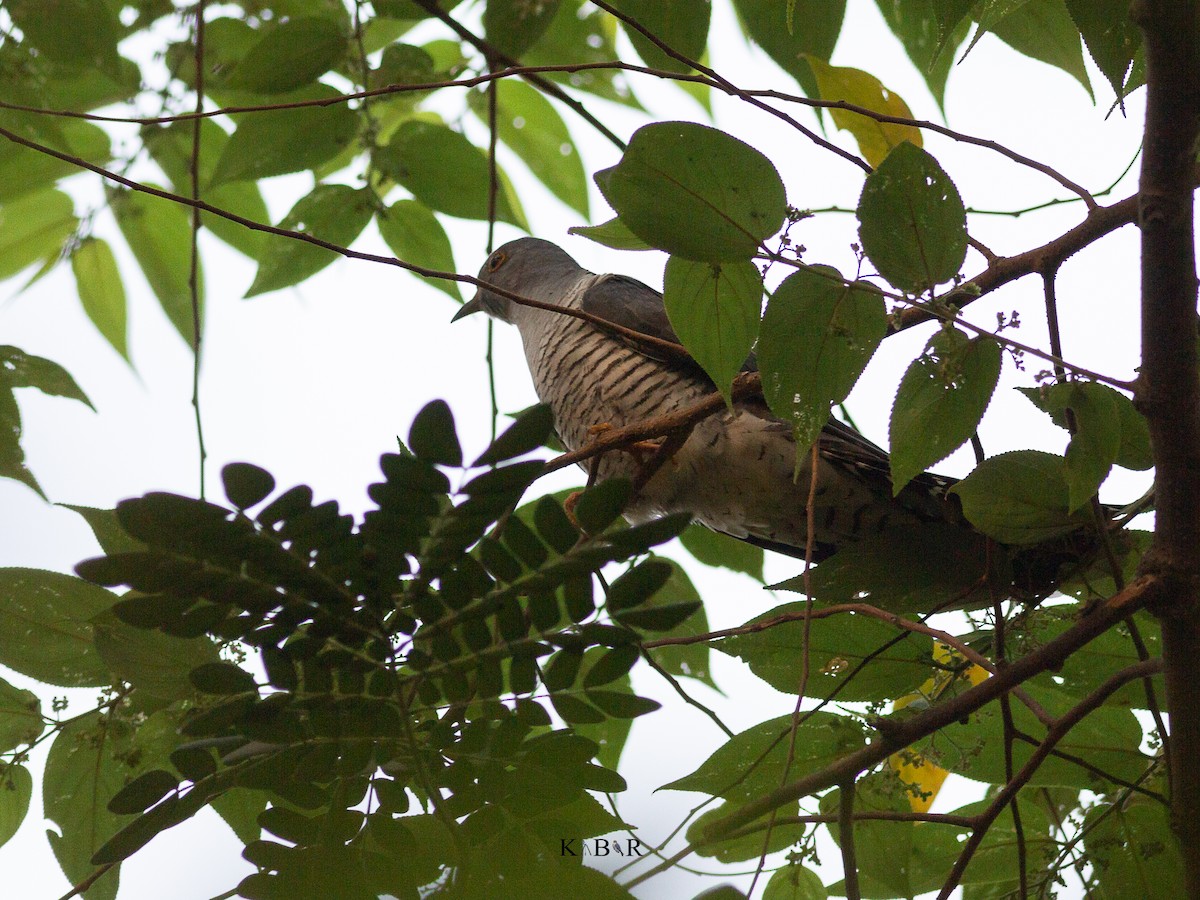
x=527, y=266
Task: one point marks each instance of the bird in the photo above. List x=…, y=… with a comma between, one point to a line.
x=737, y=472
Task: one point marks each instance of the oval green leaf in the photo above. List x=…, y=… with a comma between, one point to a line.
x=446, y=172
x=530, y=125
x=941, y=399
x=290, y=55
x=1020, y=497
x=912, y=222
x=695, y=192
x=100, y=290
x=414, y=234
x=336, y=213
x=714, y=309
x=45, y=627
x=276, y=142
x=159, y=233
x=818, y=334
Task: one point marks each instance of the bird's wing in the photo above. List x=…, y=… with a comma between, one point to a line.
x=632, y=304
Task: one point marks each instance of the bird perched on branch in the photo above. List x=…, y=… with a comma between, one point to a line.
x=734, y=471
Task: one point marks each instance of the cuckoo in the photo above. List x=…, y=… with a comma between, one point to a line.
x=735, y=471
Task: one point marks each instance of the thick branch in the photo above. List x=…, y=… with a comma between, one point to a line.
x=1169, y=389
x=1060, y=730
x=902, y=734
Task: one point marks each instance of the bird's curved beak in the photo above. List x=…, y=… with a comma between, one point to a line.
x=471, y=306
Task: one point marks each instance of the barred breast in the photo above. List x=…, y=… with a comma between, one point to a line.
x=735, y=473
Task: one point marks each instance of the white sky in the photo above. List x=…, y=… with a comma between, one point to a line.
x=315, y=383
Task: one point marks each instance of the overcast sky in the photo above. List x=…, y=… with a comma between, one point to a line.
x=315, y=383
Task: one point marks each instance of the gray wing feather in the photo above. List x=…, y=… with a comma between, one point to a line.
x=632, y=304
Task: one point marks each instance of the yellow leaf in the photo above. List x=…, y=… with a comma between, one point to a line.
x=875, y=139
x=923, y=775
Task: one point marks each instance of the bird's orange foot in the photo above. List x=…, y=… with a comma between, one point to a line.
x=569, y=507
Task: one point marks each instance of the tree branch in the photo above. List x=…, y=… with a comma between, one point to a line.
x=1169, y=389
x=901, y=734
x=1062, y=727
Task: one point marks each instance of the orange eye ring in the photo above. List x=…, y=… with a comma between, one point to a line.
x=496, y=260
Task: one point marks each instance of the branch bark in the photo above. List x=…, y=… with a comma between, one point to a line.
x=1169, y=389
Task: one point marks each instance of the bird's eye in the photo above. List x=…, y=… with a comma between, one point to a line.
x=496, y=260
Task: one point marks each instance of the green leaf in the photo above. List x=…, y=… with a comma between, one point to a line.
x=907, y=568
x=1134, y=850
x=530, y=125
x=695, y=192
x=1107, y=738
x=276, y=142
x=77, y=33
x=513, y=26
x=45, y=627
x=638, y=584
x=1020, y=497
x=446, y=172
x=912, y=222
x=171, y=148
x=100, y=290
x=21, y=721
x=151, y=661
x=613, y=233
x=335, y=213
x=245, y=484
x=680, y=24
x=240, y=808
x=752, y=763
x=795, y=882
x=720, y=550
x=614, y=664
x=143, y=792
x=714, y=308
x=1043, y=30
x=581, y=33
x=92, y=758
x=875, y=139
x=108, y=531
x=16, y=790
x=599, y=506
x=12, y=457
x=1111, y=37
x=222, y=678
x=415, y=235
x=661, y=617
x=746, y=846
x=433, y=437
x=915, y=24
x=24, y=171
x=1135, y=452
x=790, y=33
x=290, y=55
x=1097, y=440
x=23, y=370
x=159, y=233
x=941, y=399
x=818, y=334
x=33, y=229
x=836, y=646
x=529, y=432
x=1109, y=429
x=688, y=660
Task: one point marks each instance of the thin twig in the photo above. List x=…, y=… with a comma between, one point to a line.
x=846, y=839
x=194, y=262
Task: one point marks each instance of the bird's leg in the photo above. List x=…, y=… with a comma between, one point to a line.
x=635, y=448
x=573, y=497
x=662, y=451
